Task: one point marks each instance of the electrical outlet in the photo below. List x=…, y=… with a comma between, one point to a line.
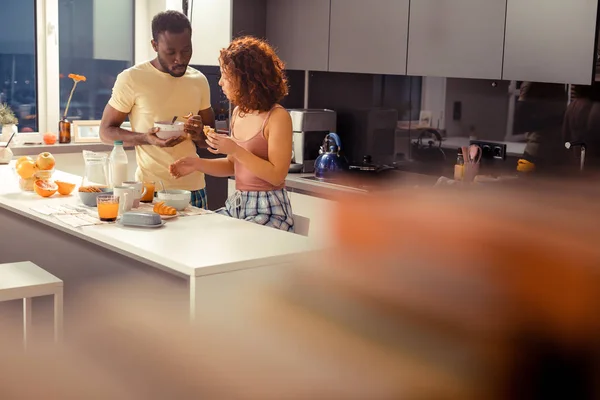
x=491, y=150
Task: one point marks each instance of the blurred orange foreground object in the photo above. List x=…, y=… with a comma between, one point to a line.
x=536, y=243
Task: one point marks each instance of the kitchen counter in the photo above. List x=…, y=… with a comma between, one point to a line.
x=192, y=247
x=305, y=183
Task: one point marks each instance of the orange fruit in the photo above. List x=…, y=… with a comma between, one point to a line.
x=49, y=138
x=64, y=188
x=44, y=188
x=45, y=161
x=26, y=169
x=21, y=159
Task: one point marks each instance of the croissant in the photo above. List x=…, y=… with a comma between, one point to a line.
x=163, y=209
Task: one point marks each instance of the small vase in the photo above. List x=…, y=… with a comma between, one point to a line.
x=64, y=131
x=7, y=131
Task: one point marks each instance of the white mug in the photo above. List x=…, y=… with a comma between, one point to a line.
x=139, y=191
x=125, y=195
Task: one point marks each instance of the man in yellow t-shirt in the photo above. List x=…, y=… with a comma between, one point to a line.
x=158, y=90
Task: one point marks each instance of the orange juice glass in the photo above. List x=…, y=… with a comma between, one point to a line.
x=149, y=196
x=108, y=207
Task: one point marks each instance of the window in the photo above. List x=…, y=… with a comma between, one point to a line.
x=18, y=80
x=95, y=40
x=43, y=41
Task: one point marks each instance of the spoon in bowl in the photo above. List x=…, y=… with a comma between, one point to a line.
x=11, y=138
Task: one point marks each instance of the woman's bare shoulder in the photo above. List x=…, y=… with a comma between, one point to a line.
x=279, y=121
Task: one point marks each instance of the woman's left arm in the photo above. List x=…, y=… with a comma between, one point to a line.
x=279, y=135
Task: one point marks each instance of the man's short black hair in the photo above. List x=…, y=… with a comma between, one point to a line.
x=169, y=21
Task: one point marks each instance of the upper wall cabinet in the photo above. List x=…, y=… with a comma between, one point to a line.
x=368, y=36
x=299, y=30
x=211, y=31
x=456, y=38
x=550, y=41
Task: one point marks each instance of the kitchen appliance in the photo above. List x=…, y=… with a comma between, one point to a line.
x=310, y=127
x=369, y=131
x=330, y=161
x=368, y=167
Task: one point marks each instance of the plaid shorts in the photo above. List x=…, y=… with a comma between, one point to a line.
x=199, y=198
x=271, y=208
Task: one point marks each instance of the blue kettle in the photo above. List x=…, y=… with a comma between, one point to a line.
x=329, y=162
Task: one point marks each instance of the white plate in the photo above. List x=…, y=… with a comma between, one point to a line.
x=168, y=216
x=162, y=223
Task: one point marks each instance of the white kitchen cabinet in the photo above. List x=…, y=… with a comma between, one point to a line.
x=211, y=30
x=368, y=37
x=299, y=30
x=550, y=41
x=318, y=212
x=456, y=38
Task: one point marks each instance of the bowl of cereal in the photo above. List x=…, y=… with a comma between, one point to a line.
x=168, y=130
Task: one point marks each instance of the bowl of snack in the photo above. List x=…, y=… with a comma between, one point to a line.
x=169, y=130
x=178, y=199
x=88, y=194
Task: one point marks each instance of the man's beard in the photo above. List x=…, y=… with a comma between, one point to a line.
x=168, y=70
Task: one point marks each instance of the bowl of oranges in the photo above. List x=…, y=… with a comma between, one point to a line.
x=30, y=170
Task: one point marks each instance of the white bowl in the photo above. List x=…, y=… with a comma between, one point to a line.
x=178, y=199
x=169, y=130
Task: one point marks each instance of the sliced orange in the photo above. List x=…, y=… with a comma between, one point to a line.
x=44, y=188
x=65, y=188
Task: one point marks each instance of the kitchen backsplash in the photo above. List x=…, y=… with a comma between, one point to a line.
x=486, y=109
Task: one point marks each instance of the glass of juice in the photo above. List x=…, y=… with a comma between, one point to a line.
x=108, y=207
x=149, y=196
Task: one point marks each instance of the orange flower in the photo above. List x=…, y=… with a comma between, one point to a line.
x=77, y=78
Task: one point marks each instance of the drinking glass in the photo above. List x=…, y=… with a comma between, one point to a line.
x=108, y=207
x=148, y=197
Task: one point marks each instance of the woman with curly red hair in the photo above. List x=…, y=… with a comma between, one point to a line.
x=259, y=149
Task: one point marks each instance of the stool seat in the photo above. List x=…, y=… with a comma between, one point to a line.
x=24, y=280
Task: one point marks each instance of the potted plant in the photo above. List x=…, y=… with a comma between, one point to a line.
x=8, y=120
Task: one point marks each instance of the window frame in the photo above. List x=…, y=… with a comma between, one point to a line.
x=47, y=58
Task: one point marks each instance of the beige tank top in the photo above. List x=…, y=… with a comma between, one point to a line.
x=258, y=145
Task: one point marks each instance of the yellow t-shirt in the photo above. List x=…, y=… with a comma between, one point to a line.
x=149, y=95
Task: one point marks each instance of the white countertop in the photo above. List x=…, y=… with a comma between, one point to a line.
x=192, y=245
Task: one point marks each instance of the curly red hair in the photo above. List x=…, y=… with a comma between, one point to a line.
x=255, y=73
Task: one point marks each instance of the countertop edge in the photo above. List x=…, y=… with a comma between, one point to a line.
x=157, y=261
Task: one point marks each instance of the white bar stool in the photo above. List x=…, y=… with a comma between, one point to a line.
x=24, y=280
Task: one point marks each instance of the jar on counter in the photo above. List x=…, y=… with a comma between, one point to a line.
x=459, y=167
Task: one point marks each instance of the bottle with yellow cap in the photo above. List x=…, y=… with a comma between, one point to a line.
x=525, y=166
